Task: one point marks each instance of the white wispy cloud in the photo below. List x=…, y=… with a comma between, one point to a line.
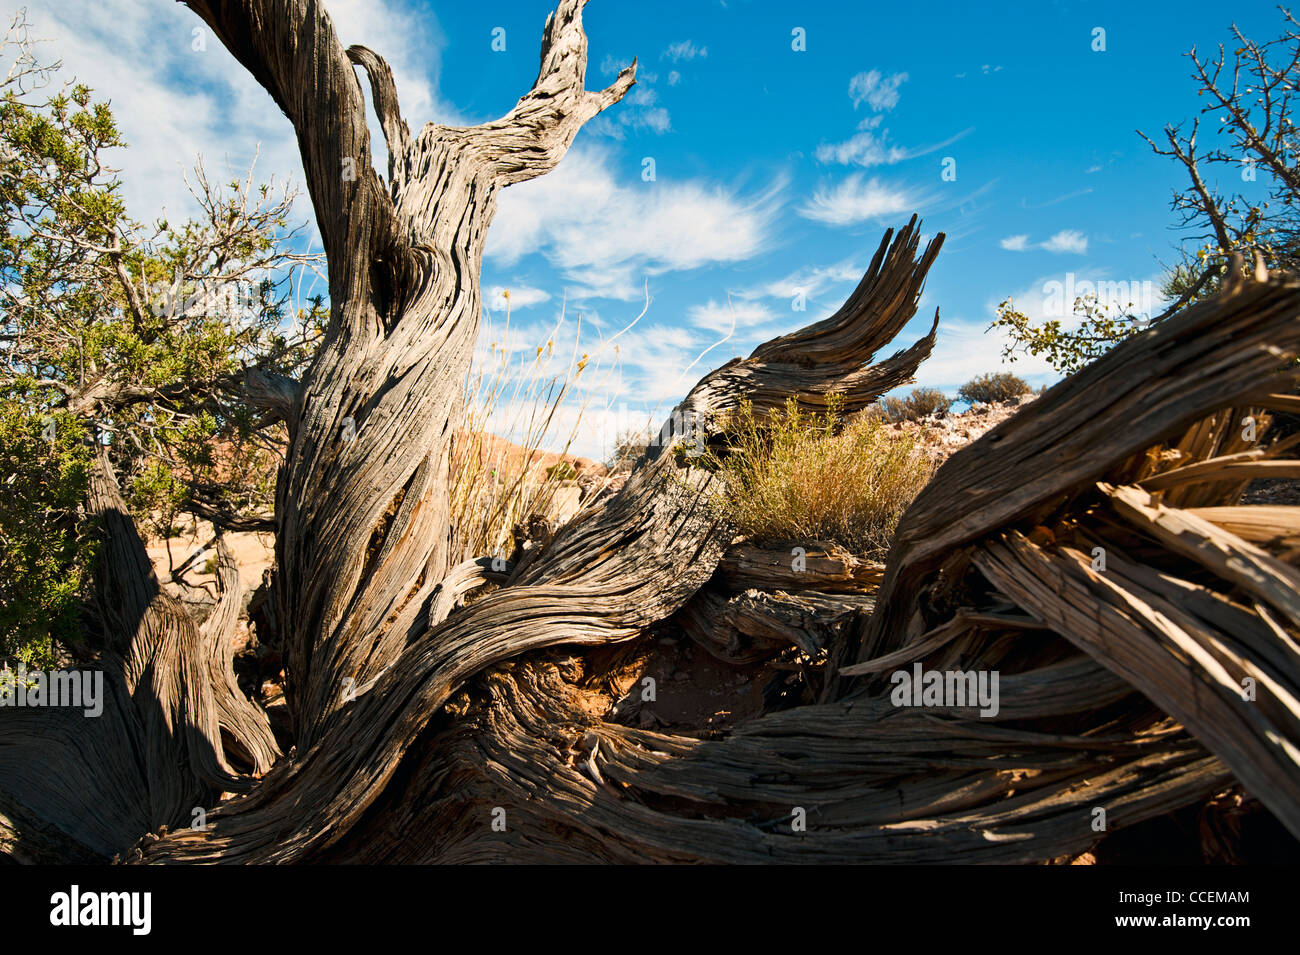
x=870, y=145
x=653, y=366
x=606, y=232
x=867, y=147
x=811, y=281
x=521, y=296
x=718, y=316
x=684, y=50
x=638, y=111
x=178, y=94
x=878, y=91
x=871, y=148
x=854, y=201
x=1067, y=240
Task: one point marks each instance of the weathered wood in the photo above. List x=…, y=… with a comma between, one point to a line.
x=155, y=752
x=244, y=722
x=1247, y=466
x=823, y=567
x=962, y=623
x=1290, y=403
x=1228, y=557
x=751, y=626
x=362, y=505
x=1186, y=646
x=1274, y=525
x=462, y=580
x=877, y=784
x=1176, y=660
x=608, y=575
x=29, y=839
x=1147, y=390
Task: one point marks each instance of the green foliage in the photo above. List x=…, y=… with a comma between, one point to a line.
x=995, y=386
x=1182, y=280
x=44, y=466
x=131, y=334
x=1067, y=350
x=921, y=403
x=562, y=471
x=795, y=476
x=1239, y=196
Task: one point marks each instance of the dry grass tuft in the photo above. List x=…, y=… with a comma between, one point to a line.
x=531, y=398
x=795, y=476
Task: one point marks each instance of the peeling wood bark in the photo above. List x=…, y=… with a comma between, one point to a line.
x=156, y=752
x=606, y=577
x=824, y=567
x=752, y=626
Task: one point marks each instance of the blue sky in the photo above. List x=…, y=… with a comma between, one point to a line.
x=775, y=170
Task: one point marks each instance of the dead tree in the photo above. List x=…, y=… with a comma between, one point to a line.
x=421, y=718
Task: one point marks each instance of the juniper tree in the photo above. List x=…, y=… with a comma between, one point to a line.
x=131, y=342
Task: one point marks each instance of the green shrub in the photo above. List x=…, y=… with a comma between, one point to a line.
x=563, y=471
x=999, y=386
x=45, y=558
x=921, y=403
x=796, y=476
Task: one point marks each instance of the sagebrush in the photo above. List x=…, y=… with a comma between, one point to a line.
x=995, y=386
x=921, y=403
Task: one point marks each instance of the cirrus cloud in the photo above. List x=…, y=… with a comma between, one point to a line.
x=607, y=231
x=854, y=201
x=878, y=91
x=1067, y=240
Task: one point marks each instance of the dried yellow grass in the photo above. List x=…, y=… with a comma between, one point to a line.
x=517, y=395
x=794, y=476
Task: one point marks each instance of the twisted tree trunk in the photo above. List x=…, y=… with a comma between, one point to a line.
x=501, y=730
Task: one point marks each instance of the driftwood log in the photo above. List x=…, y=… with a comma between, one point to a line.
x=430, y=725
